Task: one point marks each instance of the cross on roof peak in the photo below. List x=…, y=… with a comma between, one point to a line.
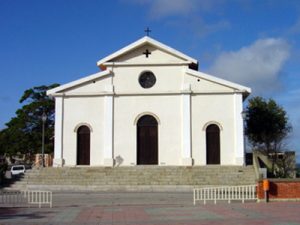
x=148, y=31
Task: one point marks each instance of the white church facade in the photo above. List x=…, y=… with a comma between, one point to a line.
x=149, y=105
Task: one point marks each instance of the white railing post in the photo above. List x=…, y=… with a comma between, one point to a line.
x=194, y=196
x=215, y=195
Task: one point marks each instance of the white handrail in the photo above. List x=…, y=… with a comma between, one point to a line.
x=228, y=193
x=29, y=196
x=12, y=198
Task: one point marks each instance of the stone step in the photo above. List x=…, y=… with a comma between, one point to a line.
x=135, y=178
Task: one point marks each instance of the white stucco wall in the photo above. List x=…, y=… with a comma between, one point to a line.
x=167, y=108
x=127, y=111
x=168, y=79
x=217, y=109
x=83, y=110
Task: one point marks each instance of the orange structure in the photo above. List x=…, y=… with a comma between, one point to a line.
x=266, y=185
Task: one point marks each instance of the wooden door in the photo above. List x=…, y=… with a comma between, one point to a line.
x=213, y=144
x=147, y=141
x=83, y=146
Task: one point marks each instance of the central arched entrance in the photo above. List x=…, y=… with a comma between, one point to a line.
x=147, y=141
x=83, y=145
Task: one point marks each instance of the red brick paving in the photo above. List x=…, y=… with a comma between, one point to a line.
x=275, y=213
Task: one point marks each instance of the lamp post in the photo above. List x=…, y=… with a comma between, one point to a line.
x=244, y=115
x=44, y=118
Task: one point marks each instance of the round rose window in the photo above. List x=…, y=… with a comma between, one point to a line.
x=147, y=79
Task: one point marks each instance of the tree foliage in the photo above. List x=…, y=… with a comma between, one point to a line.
x=267, y=127
x=23, y=133
x=266, y=124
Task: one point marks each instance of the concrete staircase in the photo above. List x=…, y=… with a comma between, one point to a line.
x=139, y=178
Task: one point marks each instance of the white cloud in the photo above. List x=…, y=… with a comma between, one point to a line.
x=213, y=28
x=162, y=8
x=165, y=8
x=258, y=66
x=198, y=27
x=186, y=14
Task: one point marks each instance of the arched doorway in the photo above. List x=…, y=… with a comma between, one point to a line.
x=83, y=145
x=147, y=141
x=212, y=144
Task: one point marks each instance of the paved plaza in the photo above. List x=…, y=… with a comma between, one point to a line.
x=149, y=208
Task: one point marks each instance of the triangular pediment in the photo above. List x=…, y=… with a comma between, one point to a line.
x=146, y=51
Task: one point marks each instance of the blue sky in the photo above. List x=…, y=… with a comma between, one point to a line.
x=254, y=43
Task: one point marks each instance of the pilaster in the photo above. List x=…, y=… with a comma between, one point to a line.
x=239, y=129
x=186, y=126
x=58, y=129
x=108, y=126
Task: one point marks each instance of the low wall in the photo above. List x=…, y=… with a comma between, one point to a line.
x=281, y=189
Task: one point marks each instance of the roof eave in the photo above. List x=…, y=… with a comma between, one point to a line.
x=83, y=80
x=245, y=90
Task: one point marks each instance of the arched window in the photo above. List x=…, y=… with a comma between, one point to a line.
x=147, y=141
x=83, y=145
x=212, y=144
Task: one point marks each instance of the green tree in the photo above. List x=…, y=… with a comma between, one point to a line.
x=267, y=127
x=23, y=133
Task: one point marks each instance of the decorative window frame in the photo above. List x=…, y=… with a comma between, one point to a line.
x=83, y=124
x=144, y=114
x=211, y=123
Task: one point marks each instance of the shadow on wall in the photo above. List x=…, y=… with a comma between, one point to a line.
x=273, y=189
x=119, y=160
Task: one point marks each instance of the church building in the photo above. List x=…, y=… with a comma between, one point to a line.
x=149, y=105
